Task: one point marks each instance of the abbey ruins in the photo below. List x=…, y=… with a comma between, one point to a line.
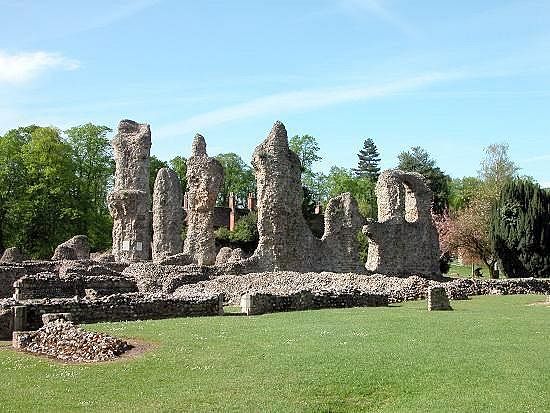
x=151, y=273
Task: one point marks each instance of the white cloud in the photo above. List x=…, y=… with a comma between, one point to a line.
x=281, y=103
x=23, y=67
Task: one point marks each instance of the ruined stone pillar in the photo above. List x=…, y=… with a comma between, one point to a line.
x=167, y=215
x=130, y=199
x=404, y=240
x=204, y=177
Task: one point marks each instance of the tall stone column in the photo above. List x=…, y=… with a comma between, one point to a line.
x=129, y=201
x=204, y=177
x=167, y=215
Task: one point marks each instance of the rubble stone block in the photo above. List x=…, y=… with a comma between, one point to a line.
x=79, y=243
x=49, y=317
x=438, y=299
x=12, y=255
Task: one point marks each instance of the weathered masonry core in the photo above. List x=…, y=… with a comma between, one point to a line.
x=404, y=241
x=129, y=201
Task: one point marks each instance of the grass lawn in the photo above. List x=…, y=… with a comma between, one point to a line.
x=465, y=271
x=490, y=354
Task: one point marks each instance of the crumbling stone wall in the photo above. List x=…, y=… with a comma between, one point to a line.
x=261, y=303
x=8, y=275
x=285, y=240
x=47, y=285
x=119, y=307
x=167, y=215
x=204, y=178
x=129, y=201
x=404, y=241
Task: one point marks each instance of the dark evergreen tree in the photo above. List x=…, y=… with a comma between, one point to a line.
x=369, y=159
x=520, y=229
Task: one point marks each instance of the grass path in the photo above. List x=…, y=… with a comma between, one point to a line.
x=490, y=354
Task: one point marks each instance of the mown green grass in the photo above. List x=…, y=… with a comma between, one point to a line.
x=490, y=354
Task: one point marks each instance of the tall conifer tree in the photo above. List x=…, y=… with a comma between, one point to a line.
x=369, y=158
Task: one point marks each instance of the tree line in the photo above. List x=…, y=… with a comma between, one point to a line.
x=54, y=183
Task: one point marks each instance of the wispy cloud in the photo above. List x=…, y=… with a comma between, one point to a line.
x=23, y=67
x=538, y=158
x=377, y=9
x=281, y=103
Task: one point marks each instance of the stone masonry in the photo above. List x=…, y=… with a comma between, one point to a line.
x=129, y=201
x=12, y=255
x=204, y=177
x=286, y=242
x=404, y=241
x=79, y=243
x=167, y=215
x=438, y=299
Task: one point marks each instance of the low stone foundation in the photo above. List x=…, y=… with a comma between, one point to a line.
x=258, y=303
x=8, y=275
x=47, y=285
x=120, y=307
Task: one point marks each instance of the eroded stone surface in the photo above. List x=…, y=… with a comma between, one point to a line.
x=12, y=254
x=204, y=177
x=404, y=241
x=129, y=202
x=286, y=242
x=63, y=252
x=167, y=215
x=79, y=243
x=438, y=299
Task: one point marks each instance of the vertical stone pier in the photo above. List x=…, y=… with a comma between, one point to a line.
x=204, y=177
x=130, y=199
x=167, y=215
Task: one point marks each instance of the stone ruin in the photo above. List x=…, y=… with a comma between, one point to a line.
x=290, y=270
x=404, y=241
x=129, y=201
x=167, y=215
x=204, y=178
x=286, y=242
x=13, y=255
x=438, y=299
x=77, y=248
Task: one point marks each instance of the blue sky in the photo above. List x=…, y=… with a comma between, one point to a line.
x=452, y=77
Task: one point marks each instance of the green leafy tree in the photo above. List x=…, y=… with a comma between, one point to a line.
x=369, y=160
x=418, y=160
x=48, y=210
x=94, y=167
x=341, y=180
x=13, y=178
x=520, y=229
x=238, y=179
x=461, y=192
x=179, y=165
x=307, y=149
